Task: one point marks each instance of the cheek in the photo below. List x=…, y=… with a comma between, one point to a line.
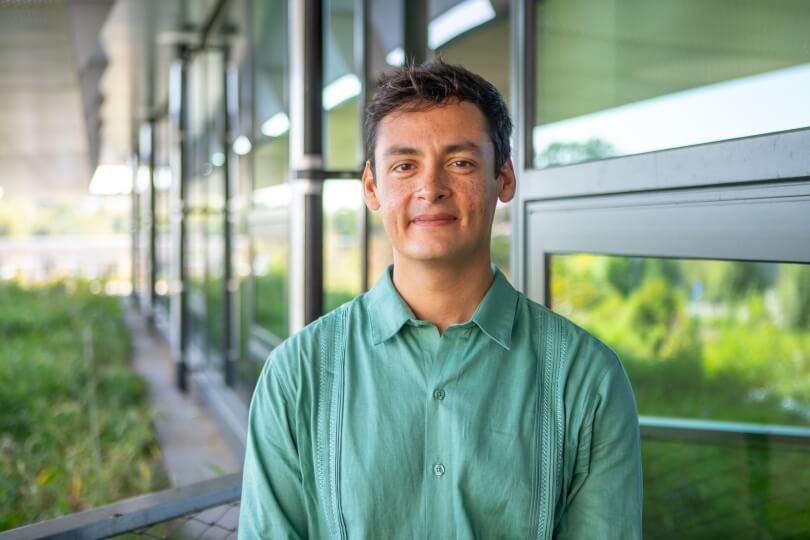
x=479, y=202
x=393, y=205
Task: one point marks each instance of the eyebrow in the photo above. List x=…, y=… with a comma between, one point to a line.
x=465, y=146
x=401, y=151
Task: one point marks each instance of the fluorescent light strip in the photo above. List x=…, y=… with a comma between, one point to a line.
x=278, y=196
x=395, y=57
x=163, y=178
x=341, y=90
x=276, y=125
x=111, y=179
x=142, y=178
x=455, y=21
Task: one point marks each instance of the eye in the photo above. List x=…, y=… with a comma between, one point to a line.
x=462, y=164
x=402, y=167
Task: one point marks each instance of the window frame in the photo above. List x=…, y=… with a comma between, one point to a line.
x=724, y=183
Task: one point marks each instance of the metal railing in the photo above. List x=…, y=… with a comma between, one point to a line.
x=714, y=432
x=206, y=509
x=210, y=509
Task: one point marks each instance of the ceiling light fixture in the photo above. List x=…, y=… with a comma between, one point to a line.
x=111, y=179
x=241, y=145
x=341, y=90
x=453, y=22
x=276, y=125
x=457, y=20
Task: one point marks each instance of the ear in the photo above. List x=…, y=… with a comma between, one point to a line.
x=508, y=183
x=370, y=188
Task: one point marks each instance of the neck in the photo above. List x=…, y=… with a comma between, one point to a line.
x=443, y=294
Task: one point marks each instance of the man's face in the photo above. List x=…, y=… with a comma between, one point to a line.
x=435, y=183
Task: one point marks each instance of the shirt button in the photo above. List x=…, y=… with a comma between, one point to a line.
x=438, y=469
x=438, y=394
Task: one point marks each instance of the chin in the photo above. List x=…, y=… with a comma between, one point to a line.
x=437, y=256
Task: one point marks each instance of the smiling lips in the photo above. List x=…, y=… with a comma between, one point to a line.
x=433, y=220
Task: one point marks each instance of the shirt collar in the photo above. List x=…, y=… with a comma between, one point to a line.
x=389, y=311
x=495, y=315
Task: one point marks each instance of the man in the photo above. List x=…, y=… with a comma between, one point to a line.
x=442, y=403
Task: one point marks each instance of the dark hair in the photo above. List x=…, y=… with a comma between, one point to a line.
x=435, y=83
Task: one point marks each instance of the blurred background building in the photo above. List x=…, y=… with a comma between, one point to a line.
x=201, y=159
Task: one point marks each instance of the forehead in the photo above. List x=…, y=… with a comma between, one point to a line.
x=421, y=124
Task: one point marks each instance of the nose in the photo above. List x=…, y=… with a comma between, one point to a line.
x=433, y=185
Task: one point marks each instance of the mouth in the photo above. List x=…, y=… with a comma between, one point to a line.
x=434, y=220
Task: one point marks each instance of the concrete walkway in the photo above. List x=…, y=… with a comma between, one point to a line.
x=193, y=449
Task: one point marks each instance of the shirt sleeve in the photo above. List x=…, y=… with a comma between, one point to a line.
x=605, y=499
x=273, y=502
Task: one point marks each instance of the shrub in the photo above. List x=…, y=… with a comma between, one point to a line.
x=75, y=431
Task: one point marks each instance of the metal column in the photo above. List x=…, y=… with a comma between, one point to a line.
x=231, y=286
x=135, y=230
x=151, y=228
x=362, y=65
x=306, y=162
x=523, y=95
x=178, y=103
x=416, y=31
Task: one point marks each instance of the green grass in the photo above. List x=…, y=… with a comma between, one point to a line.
x=75, y=431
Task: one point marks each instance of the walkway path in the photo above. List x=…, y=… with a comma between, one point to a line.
x=193, y=450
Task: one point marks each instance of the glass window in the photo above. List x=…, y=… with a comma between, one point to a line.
x=162, y=178
x=707, y=340
x=214, y=217
x=342, y=87
x=205, y=196
x=270, y=232
x=380, y=253
x=269, y=224
x=270, y=76
x=475, y=34
x=141, y=218
x=622, y=77
x=342, y=215
x=386, y=35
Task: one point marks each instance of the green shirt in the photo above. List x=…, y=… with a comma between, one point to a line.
x=369, y=424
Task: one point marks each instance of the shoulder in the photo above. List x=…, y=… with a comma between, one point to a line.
x=582, y=359
x=295, y=361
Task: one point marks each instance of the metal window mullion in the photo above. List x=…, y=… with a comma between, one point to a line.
x=523, y=96
x=362, y=62
x=135, y=231
x=230, y=287
x=759, y=158
x=151, y=226
x=767, y=222
x=179, y=310
x=415, y=31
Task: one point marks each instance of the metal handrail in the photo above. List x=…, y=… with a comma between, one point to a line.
x=713, y=432
x=131, y=514
x=146, y=510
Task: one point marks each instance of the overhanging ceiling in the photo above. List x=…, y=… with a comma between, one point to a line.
x=43, y=142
